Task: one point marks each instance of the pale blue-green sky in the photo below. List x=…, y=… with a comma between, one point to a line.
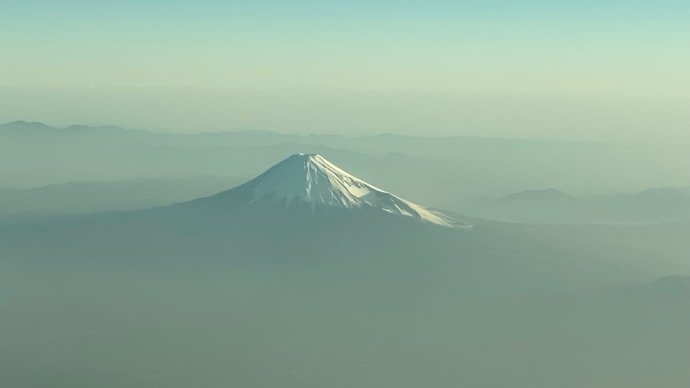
x=576, y=63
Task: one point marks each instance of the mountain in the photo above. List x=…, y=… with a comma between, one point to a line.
x=667, y=287
x=663, y=204
x=311, y=181
x=25, y=126
x=91, y=197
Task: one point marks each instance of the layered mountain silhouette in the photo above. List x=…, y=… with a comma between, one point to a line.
x=303, y=209
x=307, y=212
x=663, y=204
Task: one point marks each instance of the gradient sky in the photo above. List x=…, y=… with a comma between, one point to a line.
x=588, y=69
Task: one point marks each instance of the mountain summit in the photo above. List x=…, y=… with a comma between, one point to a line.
x=311, y=179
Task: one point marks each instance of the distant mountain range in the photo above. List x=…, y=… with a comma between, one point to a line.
x=554, y=206
x=92, y=197
x=27, y=127
x=36, y=154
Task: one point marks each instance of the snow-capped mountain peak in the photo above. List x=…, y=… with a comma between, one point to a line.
x=311, y=179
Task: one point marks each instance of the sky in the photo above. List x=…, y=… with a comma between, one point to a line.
x=595, y=70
